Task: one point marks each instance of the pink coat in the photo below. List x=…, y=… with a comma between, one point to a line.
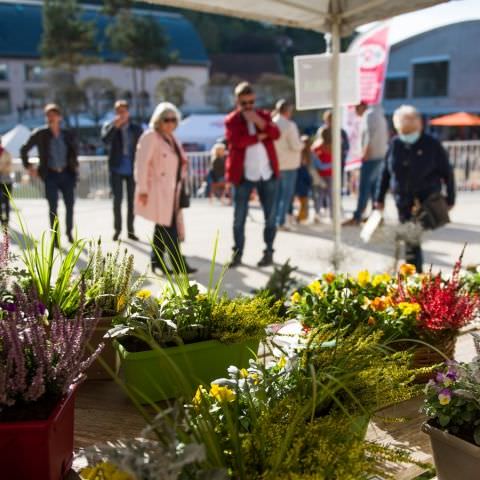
x=156, y=175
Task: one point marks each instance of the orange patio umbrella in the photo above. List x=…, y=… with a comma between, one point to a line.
x=460, y=119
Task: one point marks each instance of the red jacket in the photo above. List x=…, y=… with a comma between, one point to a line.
x=238, y=138
x=324, y=155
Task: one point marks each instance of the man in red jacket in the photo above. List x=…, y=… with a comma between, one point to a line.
x=251, y=164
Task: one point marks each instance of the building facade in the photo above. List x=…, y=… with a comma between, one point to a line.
x=23, y=88
x=438, y=70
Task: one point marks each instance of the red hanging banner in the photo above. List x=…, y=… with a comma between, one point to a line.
x=373, y=52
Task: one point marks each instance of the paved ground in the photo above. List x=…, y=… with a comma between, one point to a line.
x=309, y=247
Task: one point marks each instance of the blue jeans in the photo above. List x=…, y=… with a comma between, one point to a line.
x=285, y=192
x=267, y=191
x=63, y=182
x=369, y=174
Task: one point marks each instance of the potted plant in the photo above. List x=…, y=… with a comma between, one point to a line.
x=302, y=415
x=42, y=360
x=452, y=403
x=413, y=311
x=110, y=286
x=168, y=345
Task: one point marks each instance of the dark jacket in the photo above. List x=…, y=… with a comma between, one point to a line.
x=239, y=139
x=112, y=137
x=304, y=182
x=415, y=172
x=40, y=138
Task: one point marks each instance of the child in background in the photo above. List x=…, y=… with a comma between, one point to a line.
x=216, y=175
x=5, y=184
x=322, y=192
x=304, y=181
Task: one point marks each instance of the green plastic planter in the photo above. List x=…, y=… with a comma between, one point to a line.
x=165, y=373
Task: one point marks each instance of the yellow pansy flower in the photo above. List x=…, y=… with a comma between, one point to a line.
x=408, y=308
x=407, y=269
x=316, y=288
x=381, y=278
x=104, y=471
x=363, y=278
x=222, y=394
x=243, y=373
x=296, y=298
x=144, y=293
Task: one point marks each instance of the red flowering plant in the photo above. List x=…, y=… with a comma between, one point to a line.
x=445, y=306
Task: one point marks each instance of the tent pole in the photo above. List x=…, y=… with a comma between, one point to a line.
x=336, y=145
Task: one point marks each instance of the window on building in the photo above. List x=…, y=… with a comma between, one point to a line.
x=396, y=87
x=35, y=99
x=34, y=73
x=430, y=79
x=3, y=72
x=5, y=105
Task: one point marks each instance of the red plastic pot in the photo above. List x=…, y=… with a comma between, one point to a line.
x=39, y=450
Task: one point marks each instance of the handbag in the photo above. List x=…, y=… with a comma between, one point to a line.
x=433, y=212
x=184, y=196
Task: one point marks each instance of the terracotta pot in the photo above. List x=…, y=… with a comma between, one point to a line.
x=108, y=354
x=39, y=450
x=455, y=459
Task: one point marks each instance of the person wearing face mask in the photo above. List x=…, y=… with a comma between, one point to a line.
x=252, y=163
x=415, y=167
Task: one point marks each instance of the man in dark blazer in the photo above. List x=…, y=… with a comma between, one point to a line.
x=121, y=137
x=58, y=163
x=252, y=163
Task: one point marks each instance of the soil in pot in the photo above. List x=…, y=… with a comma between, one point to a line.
x=31, y=411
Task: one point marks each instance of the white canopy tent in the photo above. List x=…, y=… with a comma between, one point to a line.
x=201, y=129
x=13, y=140
x=338, y=17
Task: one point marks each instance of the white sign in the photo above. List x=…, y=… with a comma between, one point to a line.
x=313, y=80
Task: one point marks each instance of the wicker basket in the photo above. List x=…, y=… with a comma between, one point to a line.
x=424, y=357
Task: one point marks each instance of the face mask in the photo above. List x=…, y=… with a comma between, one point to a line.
x=409, y=138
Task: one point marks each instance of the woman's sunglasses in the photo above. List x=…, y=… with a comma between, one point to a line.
x=169, y=120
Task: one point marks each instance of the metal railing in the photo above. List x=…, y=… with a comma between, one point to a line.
x=465, y=158
x=94, y=179
x=94, y=176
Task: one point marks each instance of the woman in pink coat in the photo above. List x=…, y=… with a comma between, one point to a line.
x=160, y=170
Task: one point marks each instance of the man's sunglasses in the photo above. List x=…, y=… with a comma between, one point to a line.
x=246, y=103
x=169, y=120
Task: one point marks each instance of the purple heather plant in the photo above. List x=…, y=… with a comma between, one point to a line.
x=39, y=356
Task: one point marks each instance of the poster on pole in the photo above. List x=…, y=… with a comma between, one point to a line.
x=372, y=49
x=313, y=80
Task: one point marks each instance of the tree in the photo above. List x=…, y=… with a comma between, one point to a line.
x=99, y=96
x=142, y=42
x=67, y=40
x=219, y=91
x=172, y=89
x=64, y=90
x=271, y=87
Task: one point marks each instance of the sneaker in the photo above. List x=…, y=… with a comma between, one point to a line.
x=284, y=228
x=236, y=261
x=116, y=236
x=266, y=260
x=133, y=237
x=70, y=237
x=353, y=222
